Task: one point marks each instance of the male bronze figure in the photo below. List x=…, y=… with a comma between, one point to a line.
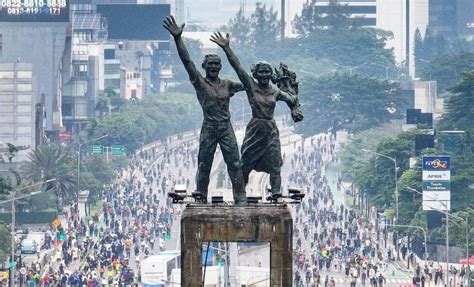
x=261, y=149
x=214, y=95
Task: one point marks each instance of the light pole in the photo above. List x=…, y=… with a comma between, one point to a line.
x=12, y=200
x=351, y=68
x=394, y=159
x=383, y=66
x=418, y=227
x=79, y=158
x=447, y=214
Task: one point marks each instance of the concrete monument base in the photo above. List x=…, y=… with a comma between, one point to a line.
x=256, y=223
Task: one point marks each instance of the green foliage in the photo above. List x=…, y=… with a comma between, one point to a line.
x=337, y=37
x=265, y=26
x=12, y=151
x=374, y=175
x=96, y=173
x=5, y=241
x=5, y=185
x=350, y=102
x=239, y=28
x=448, y=70
x=156, y=117
x=457, y=230
x=49, y=161
x=460, y=106
x=109, y=101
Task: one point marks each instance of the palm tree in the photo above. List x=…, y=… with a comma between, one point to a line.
x=48, y=161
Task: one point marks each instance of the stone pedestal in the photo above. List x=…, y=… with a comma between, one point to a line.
x=81, y=202
x=259, y=223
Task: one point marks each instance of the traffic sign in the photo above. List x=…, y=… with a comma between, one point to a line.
x=97, y=149
x=23, y=271
x=118, y=150
x=5, y=275
x=56, y=223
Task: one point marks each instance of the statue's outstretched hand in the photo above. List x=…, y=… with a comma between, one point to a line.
x=172, y=27
x=220, y=40
x=296, y=113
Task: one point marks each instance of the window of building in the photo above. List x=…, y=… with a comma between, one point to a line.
x=83, y=36
x=67, y=110
x=111, y=69
x=79, y=69
x=109, y=54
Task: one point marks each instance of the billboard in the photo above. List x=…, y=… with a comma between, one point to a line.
x=34, y=10
x=135, y=21
x=436, y=183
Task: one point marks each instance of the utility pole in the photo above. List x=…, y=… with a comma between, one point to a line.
x=283, y=12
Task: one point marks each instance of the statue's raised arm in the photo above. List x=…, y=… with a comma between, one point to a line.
x=224, y=43
x=176, y=31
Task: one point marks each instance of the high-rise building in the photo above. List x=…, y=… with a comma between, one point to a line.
x=17, y=106
x=403, y=18
x=38, y=39
x=452, y=18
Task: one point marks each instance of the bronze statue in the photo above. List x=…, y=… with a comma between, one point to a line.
x=261, y=149
x=214, y=95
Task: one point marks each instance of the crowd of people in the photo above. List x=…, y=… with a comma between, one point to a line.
x=136, y=218
x=330, y=239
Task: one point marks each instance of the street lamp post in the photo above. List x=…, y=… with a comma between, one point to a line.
x=79, y=158
x=447, y=214
x=394, y=159
x=12, y=200
x=351, y=68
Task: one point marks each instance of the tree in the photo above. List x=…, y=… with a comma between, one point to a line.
x=5, y=241
x=12, y=151
x=350, y=102
x=420, y=54
x=49, y=161
x=309, y=21
x=265, y=27
x=154, y=118
x=447, y=70
x=239, y=28
x=460, y=105
x=5, y=185
x=109, y=101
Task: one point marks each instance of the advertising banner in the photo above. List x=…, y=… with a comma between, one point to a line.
x=436, y=183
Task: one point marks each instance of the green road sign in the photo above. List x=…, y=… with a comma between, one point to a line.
x=117, y=150
x=97, y=149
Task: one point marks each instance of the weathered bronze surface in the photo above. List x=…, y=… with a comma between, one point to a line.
x=214, y=95
x=261, y=149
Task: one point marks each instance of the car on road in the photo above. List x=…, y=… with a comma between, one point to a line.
x=38, y=237
x=28, y=246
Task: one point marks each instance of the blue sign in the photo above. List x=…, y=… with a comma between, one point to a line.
x=436, y=163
